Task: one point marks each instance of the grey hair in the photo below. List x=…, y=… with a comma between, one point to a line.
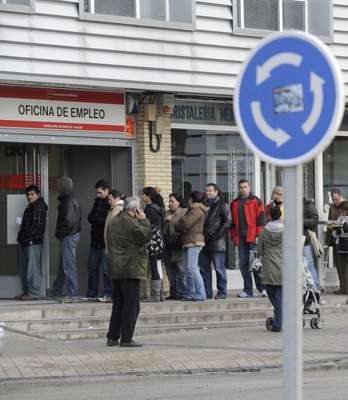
x=131, y=202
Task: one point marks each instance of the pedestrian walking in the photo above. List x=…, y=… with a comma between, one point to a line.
x=30, y=238
x=338, y=209
x=277, y=199
x=155, y=213
x=127, y=237
x=96, y=257
x=191, y=225
x=68, y=230
x=270, y=249
x=217, y=223
x=173, y=243
x=248, y=219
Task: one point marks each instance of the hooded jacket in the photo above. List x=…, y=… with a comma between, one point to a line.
x=113, y=212
x=33, y=224
x=191, y=225
x=270, y=249
x=69, y=211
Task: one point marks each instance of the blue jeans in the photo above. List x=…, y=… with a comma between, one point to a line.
x=244, y=256
x=176, y=278
x=207, y=257
x=67, y=270
x=274, y=294
x=31, y=269
x=308, y=254
x=96, y=259
x=194, y=281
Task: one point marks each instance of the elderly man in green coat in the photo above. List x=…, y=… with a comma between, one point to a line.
x=127, y=236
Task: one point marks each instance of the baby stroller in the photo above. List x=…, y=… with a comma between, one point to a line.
x=311, y=298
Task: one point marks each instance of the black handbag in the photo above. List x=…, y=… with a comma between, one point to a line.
x=156, y=245
x=342, y=246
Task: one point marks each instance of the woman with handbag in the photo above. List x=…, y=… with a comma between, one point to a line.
x=155, y=213
x=191, y=225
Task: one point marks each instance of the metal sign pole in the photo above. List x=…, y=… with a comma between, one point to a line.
x=293, y=283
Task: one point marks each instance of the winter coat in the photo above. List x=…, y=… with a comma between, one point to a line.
x=217, y=222
x=268, y=208
x=155, y=214
x=126, y=242
x=172, y=237
x=97, y=218
x=310, y=218
x=69, y=216
x=113, y=212
x=270, y=249
x=191, y=225
x=335, y=212
x=33, y=224
x=254, y=212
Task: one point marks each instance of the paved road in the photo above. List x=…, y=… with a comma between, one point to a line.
x=323, y=385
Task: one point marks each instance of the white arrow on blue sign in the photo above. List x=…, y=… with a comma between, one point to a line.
x=289, y=98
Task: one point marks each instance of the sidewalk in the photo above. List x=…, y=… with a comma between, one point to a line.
x=234, y=349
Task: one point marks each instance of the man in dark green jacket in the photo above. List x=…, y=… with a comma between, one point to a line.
x=127, y=236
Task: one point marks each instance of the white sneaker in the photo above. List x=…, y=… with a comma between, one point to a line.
x=264, y=293
x=105, y=299
x=244, y=295
x=322, y=302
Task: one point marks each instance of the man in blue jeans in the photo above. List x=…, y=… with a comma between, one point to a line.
x=96, y=258
x=68, y=230
x=216, y=225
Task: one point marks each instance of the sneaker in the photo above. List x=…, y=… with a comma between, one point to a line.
x=131, y=343
x=220, y=296
x=244, y=295
x=86, y=298
x=105, y=299
x=322, y=302
x=263, y=293
x=112, y=343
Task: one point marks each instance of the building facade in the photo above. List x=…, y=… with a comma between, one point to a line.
x=139, y=92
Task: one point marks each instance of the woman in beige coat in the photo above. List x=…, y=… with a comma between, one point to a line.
x=115, y=199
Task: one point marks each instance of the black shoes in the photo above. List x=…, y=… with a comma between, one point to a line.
x=131, y=343
x=220, y=296
x=112, y=343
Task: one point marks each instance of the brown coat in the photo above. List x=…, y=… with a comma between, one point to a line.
x=113, y=212
x=191, y=225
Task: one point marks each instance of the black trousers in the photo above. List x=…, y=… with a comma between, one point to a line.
x=125, y=309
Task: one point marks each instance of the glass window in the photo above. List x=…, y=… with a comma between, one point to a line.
x=125, y=8
x=180, y=11
x=319, y=17
x=261, y=14
x=294, y=15
x=153, y=9
x=201, y=156
x=17, y=2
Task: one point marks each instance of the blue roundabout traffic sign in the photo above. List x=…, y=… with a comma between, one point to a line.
x=289, y=98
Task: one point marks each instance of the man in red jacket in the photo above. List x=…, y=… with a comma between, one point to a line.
x=248, y=219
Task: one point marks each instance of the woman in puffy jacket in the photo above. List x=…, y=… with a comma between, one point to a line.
x=191, y=226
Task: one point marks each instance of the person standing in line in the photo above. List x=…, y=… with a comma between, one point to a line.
x=338, y=209
x=30, y=238
x=248, y=220
x=277, y=199
x=127, y=237
x=116, y=202
x=155, y=213
x=310, y=222
x=96, y=258
x=68, y=230
x=173, y=242
x=191, y=226
x=217, y=223
x=270, y=249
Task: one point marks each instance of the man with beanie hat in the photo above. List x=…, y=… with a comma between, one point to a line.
x=68, y=232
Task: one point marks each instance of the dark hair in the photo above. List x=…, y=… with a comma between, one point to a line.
x=179, y=199
x=215, y=186
x=243, y=181
x=32, y=188
x=116, y=193
x=195, y=196
x=275, y=212
x=155, y=197
x=336, y=191
x=103, y=184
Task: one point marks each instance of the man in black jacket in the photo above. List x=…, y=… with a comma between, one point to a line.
x=68, y=230
x=217, y=223
x=30, y=238
x=96, y=259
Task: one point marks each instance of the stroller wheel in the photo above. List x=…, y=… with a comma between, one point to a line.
x=316, y=323
x=269, y=323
